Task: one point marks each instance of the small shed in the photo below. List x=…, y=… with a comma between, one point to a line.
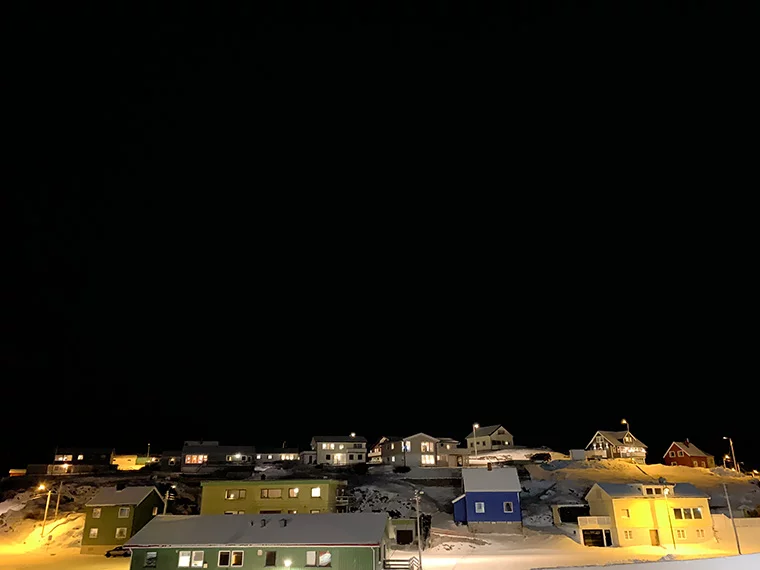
x=490, y=501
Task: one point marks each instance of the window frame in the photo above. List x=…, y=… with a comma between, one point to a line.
x=118, y=528
x=219, y=558
x=242, y=559
x=628, y=535
x=93, y=528
x=625, y=513
x=480, y=505
x=96, y=512
x=120, y=516
x=316, y=492
x=197, y=563
x=293, y=492
x=266, y=558
x=148, y=558
x=187, y=554
x=511, y=507
x=319, y=559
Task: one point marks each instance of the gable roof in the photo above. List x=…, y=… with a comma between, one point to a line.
x=496, y=479
x=690, y=450
x=338, y=438
x=447, y=440
x=110, y=496
x=620, y=490
x=487, y=430
x=324, y=529
x=190, y=447
x=275, y=451
x=421, y=434
x=616, y=438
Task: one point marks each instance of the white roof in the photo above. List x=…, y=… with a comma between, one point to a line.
x=233, y=530
x=496, y=479
x=110, y=496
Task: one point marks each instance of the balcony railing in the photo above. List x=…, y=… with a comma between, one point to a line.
x=594, y=521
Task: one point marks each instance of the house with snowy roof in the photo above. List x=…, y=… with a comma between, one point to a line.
x=350, y=540
x=646, y=514
x=687, y=454
x=616, y=445
x=421, y=450
x=489, y=438
x=490, y=501
x=337, y=450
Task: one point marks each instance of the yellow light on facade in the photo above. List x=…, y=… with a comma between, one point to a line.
x=238, y=456
x=287, y=562
x=41, y=487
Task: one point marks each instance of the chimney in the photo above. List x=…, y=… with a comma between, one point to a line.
x=120, y=486
x=687, y=442
x=283, y=522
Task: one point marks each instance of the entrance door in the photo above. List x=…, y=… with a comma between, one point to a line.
x=654, y=536
x=339, y=459
x=607, y=537
x=404, y=536
x=593, y=537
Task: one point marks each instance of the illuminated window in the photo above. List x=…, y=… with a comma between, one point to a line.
x=426, y=447
x=154, y=511
x=428, y=459
x=700, y=533
x=271, y=493
x=233, y=494
x=80, y=457
x=93, y=533
x=197, y=559
x=680, y=533
x=332, y=446
x=293, y=512
x=316, y=492
x=697, y=512
x=258, y=456
x=121, y=532
x=508, y=508
x=269, y=456
x=406, y=446
x=325, y=559
x=184, y=559
x=293, y=493
x=480, y=507
x=237, y=558
x=123, y=512
x=625, y=513
x=150, y=560
x=393, y=459
x=324, y=446
x=196, y=459
x=393, y=446
x=628, y=534
x=314, y=511
x=96, y=513
x=341, y=446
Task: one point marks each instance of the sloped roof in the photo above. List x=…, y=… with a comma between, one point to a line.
x=690, y=450
x=447, y=440
x=109, y=496
x=496, y=479
x=619, y=490
x=338, y=438
x=323, y=529
x=616, y=438
x=423, y=435
x=275, y=451
x=487, y=430
x=219, y=449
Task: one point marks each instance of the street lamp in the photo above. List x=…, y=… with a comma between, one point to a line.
x=733, y=455
x=166, y=499
x=474, y=439
x=47, y=506
x=417, y=495
x=627, y=427
x=665, y=492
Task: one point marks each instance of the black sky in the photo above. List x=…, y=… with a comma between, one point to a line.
x=253, y=224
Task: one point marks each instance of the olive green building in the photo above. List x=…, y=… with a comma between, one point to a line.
x=116, y=513
x=347, y=541
x=296, y=496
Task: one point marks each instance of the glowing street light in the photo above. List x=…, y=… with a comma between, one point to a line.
x=474, y=439
x=736, y=465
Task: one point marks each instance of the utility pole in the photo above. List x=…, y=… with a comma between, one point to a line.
x=166, y=498
x=733, y=455
x=419, y=529
x=665, y=492
x=148, y=455
x=58, y=500
x=731, y=514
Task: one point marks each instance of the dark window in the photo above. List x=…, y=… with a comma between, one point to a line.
x=150, y=559
x=351, y=456
x=224, y=558
x=271, y=558
x=657, y=491
x=650, y=491
x=677, y=513
x=327, y=456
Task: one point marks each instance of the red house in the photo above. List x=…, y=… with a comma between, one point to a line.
x=687, y=454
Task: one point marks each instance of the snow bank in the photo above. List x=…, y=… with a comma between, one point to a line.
x=748, y=562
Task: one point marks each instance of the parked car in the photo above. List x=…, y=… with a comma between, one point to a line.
x=541, y=457
x=118, y=551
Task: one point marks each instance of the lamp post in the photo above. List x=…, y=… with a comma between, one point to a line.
x=419, y=530
x=627, y=426
x=733, y=522
x=733, y=455
x=166, y=499
x=665, y=492
x=47, y=506
x=474, y=439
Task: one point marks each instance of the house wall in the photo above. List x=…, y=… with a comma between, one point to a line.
x=494, y=508
x=144, y=512
x=687, y=460
x=107, y=524
x=343, y=557
x=652, y=513
x=326, y=452
x=213, y=500
x=413, y=457
x=485, y=443
x=126, y=462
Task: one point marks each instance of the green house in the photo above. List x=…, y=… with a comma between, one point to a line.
x=348, y=541
x=289, y=496
x=116, y=513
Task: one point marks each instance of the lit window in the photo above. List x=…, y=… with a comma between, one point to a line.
x=123, y=512
x=697, y=512
x=393, y=459
x=150, y=560
x=332, y=446
x=480, y=507
x=271, y=493
x=293, y=493
x=314, y=511
x=258, y=456
x=687, y=514
x=197, y=559
x=80, y=457
x=324, y=446
x=96, y=513
x=184, y=559
x=232, y=494
x=426, y=446
x=508, y=508
x=269, y=456
x=680, y=533
x=341, y=446
x=625, y=513
x=325, y=559
x=237, y=558
x=311, y=558
x=428, y=459
x=316, y=491
x=293, y=512
x=406, y=446
x=628, y=534
x=224, y=558
x=155, y=511
x=121, y=532
x=93, y=533
x=393, y=446
x=448, y=446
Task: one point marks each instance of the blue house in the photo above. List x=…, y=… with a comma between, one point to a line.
x=491, y=500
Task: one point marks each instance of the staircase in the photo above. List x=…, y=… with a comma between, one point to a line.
x=402, y=563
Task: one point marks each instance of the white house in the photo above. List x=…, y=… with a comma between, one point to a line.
x=489, y=438
x=420, y=450
x=339, y=449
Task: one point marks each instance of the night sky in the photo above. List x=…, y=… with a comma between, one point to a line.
x=256, y=224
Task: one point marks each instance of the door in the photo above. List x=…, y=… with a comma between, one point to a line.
x=593, y=537
x=654, y=536
x=339, y=459
x=404, y=536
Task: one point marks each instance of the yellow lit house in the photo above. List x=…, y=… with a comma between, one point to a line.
x=639, y=514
